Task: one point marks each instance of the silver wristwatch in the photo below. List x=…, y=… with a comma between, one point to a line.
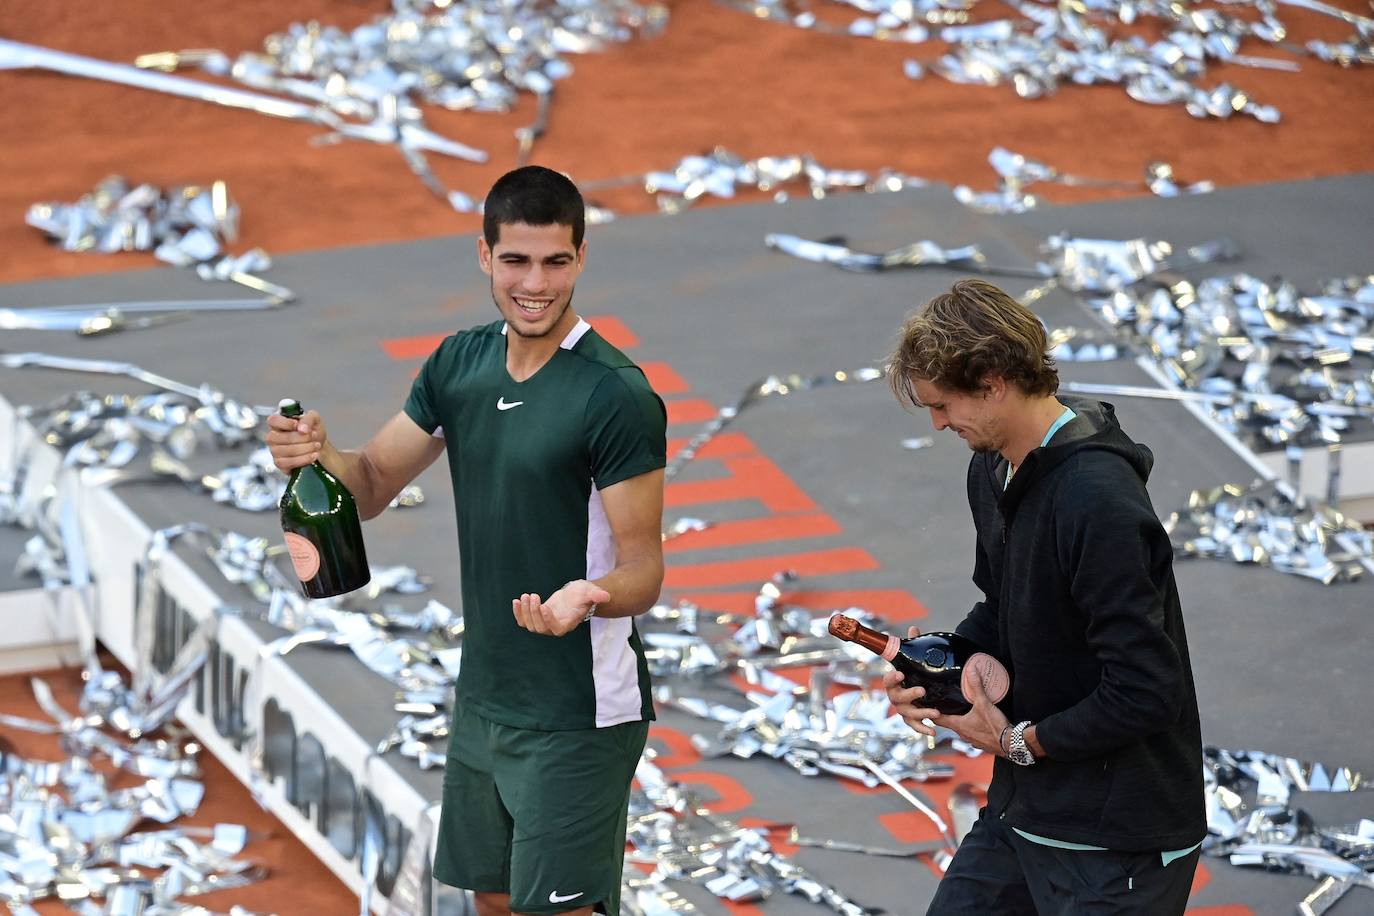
x=1017, y=752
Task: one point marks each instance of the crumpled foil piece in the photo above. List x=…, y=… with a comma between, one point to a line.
x=1084, y=345
x=670, y=830
x=1251, y=822
x=900, y=21
x=1017, y=172
x=1295, y=367
x=1107, y=265
x=68, y=835
x=190, y=226
x=721, y=173
x=110, y=431
x=1262, y=525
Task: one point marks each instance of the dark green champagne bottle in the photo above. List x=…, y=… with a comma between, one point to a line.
x=323, y=535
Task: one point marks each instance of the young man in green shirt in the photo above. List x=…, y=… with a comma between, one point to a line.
x=556, y=446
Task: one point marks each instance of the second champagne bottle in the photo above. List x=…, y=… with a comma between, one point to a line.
x=942, y=663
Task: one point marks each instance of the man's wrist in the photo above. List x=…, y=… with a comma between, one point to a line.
x=1032, y=742
x=591, y=611
x=1018, y=752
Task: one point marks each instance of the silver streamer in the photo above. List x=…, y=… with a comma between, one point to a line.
x=106, y=318
x=772, y=386
x=68, y=835
x=1251, y=822
x=187, y=226
x=917, y=254
x=477, y=55
x=394, y=123
x=1262, y=525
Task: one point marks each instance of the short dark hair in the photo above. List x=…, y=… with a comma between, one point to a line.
x=960, y=337
x=535, y=196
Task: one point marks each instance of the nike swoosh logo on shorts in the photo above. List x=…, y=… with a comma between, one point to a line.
x=502, y=404
x=555, y=897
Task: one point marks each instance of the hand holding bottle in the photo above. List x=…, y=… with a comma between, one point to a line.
x=319, y=517
x=565, y=610
x=981, y=726
x=905, y=700
x=295, y=441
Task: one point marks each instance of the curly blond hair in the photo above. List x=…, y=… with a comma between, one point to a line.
x=959, y=338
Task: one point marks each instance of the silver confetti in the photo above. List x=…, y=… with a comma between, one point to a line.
x=1262, y=525
x=187, y=226
x=1251, y=822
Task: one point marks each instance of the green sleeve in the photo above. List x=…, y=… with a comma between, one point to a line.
x=626, y=428
x=421, y=405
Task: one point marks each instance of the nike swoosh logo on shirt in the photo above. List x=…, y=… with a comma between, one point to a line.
x=502, y=404
x=555, y=897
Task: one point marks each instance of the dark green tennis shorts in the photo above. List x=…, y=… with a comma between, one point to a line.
x=539, y=815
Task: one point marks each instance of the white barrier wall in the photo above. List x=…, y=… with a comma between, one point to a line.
x=321, y=772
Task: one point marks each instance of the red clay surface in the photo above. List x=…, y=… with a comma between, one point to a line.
x=715, y=77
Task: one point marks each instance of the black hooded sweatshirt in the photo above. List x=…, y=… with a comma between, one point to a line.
x=1080, y=604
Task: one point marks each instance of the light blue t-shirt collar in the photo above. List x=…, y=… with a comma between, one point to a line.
x=1055, y=427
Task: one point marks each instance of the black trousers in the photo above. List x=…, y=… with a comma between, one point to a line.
x=997, y=871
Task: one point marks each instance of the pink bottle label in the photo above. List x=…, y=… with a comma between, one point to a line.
x=893, y=644
x=304, y=556
x=992, y=673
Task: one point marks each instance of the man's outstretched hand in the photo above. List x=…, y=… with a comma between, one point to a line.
x=563, y=612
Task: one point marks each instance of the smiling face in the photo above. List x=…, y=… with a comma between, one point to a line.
x=974, y=416
x=533, y=271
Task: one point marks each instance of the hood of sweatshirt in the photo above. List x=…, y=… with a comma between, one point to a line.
x=1094, y=426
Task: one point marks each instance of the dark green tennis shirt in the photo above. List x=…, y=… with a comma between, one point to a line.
x=528, y=461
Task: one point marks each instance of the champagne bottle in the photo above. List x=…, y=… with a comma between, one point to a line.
x=320, y=521
x=942, y=663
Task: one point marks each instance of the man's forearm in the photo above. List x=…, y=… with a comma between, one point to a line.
x=354, y=470
x=634, y=586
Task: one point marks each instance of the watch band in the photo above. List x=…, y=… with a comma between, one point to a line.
x=1017, y=751
x=591, y=612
